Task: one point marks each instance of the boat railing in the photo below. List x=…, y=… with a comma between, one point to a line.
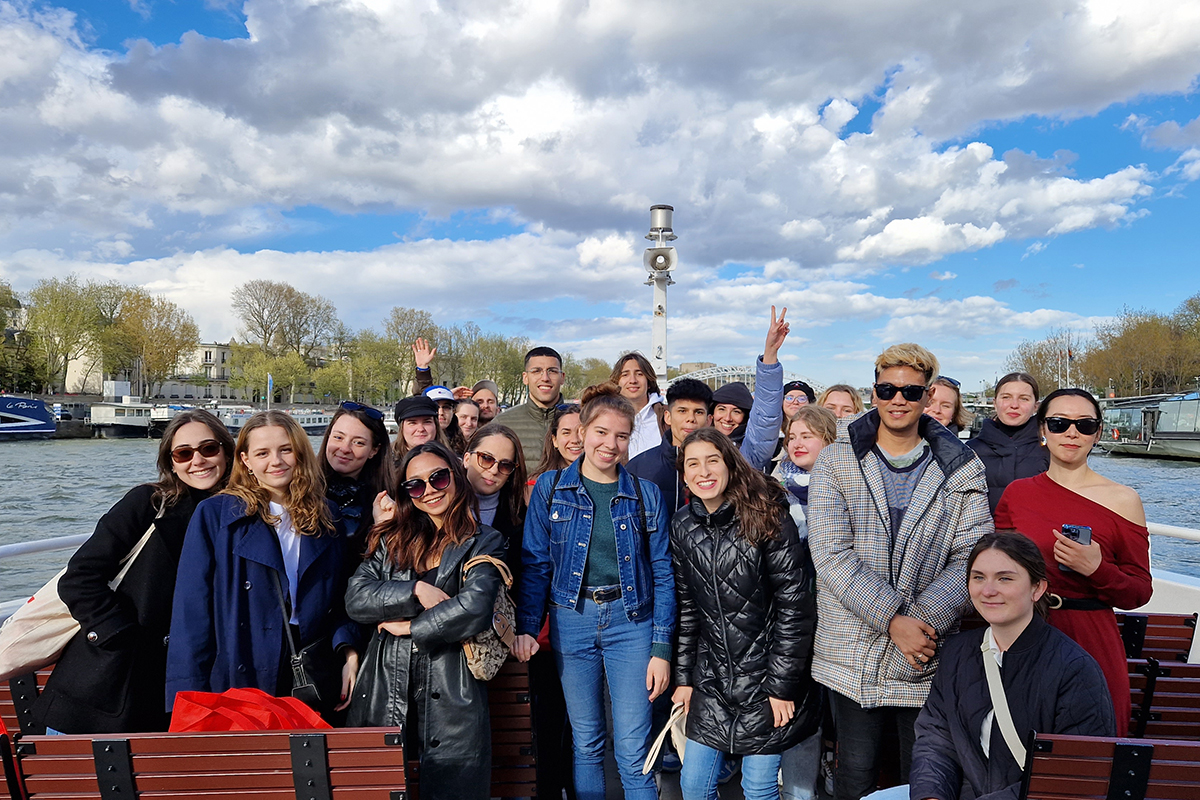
x=72, y=543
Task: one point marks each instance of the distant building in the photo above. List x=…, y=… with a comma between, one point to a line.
x=204, y=375
x=694, y=366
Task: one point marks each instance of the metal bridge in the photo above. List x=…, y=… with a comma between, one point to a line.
x=717, y=377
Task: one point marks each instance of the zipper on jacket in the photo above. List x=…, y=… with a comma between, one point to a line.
x=724, y=632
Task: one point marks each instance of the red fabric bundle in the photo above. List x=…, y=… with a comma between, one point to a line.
x=241, y=710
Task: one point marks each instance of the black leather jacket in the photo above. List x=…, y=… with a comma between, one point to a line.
x=746, y=620
x=455, y=725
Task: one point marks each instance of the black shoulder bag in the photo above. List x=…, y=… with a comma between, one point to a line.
x=303, y=661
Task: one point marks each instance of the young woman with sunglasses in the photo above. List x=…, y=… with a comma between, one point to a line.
x=745, y=640
x=412, y=592
x=596, y=551
x=356, y=464
x=496, y=471
x=1086, y=581
x=267, y=562
x=111, y=677
x=1010, y=445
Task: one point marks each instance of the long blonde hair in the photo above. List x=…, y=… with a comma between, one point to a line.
x=306, y=493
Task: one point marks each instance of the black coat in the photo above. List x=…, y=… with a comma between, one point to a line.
x=453, y=724
x=746, y=620
x=1052, y=686
x=1007, y=458
x=657, y=465
x=112, y=675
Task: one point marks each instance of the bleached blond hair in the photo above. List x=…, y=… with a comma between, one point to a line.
x=908, y=355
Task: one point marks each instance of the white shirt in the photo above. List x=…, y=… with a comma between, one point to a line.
x=289, y=543
x=646, y=435
x=985, y=735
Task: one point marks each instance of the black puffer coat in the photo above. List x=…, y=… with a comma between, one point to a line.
x=452, y=722
x=746, y=620
x=1007, y=458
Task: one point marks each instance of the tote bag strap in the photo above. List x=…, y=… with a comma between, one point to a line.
x=1000, y=701
x=131, y=556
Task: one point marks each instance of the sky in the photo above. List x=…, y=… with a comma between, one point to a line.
x=966, y=178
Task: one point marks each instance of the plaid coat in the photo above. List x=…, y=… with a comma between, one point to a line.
x=864, y=578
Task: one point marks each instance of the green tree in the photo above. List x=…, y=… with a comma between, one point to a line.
x=289, y=371
x=165, y=334
x=62, y=318
x=332, y=381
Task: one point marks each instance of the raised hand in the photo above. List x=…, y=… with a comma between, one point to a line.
x=776, y=333
x=422, y=353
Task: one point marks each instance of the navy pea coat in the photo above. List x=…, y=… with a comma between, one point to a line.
x=226, y=623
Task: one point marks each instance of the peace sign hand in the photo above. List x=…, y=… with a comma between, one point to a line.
x=776, y=333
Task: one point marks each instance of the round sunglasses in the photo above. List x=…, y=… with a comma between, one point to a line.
x=487, y=461
x=1086, y=426
x=439, y=479
x=208, y=448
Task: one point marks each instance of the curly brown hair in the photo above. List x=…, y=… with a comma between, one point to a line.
x=306, y=493
x=760, y=503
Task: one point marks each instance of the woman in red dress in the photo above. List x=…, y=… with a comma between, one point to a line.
x=1086, y=582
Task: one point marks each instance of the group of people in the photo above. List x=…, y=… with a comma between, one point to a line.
x=787, y=567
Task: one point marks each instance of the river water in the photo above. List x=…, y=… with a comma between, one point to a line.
x=60, y=488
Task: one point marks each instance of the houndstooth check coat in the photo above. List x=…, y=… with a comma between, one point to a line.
x=865, y=577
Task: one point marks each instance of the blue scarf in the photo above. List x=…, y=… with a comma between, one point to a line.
x=795, y=481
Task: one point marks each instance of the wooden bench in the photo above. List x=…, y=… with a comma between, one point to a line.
x=340, y=764
x=514, y=760
x=1095, y=768
x=1166, y=700
x=1166, y=637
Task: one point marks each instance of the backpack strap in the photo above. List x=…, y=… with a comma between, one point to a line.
x=553, y=486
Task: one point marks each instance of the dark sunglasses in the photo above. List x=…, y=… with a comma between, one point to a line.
x=950, y=381
x=1087, y=426
x=373, y=413
x=886, y=391
x=208, y=448
x=487, y=460
x=439, y=479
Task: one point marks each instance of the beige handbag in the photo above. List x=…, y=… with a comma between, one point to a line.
x=486, y=652
x=677, y=727
x=36, y=635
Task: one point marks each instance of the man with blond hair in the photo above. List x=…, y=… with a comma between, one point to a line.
x=895, y=506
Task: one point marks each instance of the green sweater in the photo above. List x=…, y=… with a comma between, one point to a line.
x=601, y=569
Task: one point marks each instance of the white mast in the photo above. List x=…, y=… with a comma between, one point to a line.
x=660, y=260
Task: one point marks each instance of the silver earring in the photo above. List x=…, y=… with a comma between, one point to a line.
x=1043, y=441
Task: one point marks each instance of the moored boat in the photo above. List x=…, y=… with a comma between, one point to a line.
x=1160, y=428
x=25, y=418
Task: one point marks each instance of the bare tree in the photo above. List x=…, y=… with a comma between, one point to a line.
x=307, y=322
x=259, y=305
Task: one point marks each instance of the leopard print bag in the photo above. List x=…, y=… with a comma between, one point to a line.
x=487, y=651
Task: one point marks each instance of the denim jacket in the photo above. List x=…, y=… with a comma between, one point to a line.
x=555, y=547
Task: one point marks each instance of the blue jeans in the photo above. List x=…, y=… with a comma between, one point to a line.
x=701, y=764
x=591, y=644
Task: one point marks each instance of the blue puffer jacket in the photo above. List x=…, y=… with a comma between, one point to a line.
x=766, y=415
x=555, y=547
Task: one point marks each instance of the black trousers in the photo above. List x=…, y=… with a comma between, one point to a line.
x=555, y=753
x=860, y=733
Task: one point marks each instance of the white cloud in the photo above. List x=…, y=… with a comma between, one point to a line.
x=570, y=119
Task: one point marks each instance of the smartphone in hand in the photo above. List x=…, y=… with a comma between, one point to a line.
x=1077, y=533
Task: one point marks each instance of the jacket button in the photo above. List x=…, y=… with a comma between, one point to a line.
x=241, y=667
x=92, y=637
x=554, y=515
x=629, y=588
x=622, y=526
x=436, y=696
x=634, y=614
x=166, y=640
x=434, y=742
x=247, y=585
x=626, y=558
